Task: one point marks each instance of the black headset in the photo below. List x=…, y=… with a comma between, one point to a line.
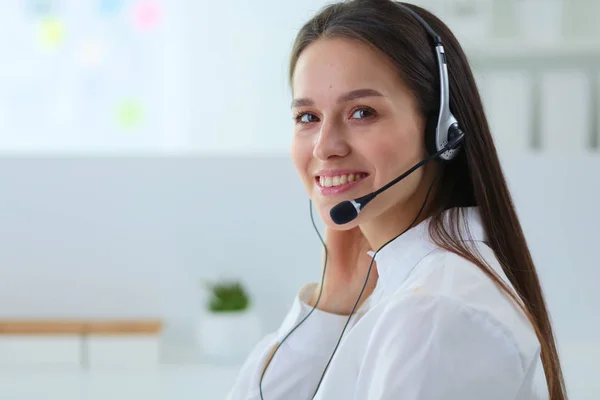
x=443, y=139
x=442, y=128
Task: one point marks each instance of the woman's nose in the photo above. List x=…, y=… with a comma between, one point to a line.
x=331, y=142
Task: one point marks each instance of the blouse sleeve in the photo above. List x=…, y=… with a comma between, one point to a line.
x=296, y=368
x=434, y=348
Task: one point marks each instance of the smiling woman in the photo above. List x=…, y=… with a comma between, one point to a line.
x=376, y=129
x=453, y=308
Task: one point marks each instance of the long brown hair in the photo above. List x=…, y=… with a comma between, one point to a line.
x=475, y=177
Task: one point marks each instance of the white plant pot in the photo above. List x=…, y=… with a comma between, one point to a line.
x=228, y=336
x=540, y=21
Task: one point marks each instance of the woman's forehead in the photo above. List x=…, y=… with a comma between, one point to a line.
x=334, y=66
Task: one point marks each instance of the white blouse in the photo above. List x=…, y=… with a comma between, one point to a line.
x=436, y=327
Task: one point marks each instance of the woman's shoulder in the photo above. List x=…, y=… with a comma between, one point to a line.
x=453, y=288
x=438, y=331
x=452, y=276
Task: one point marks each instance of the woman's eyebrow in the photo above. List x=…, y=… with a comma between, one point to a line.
x=352, y=95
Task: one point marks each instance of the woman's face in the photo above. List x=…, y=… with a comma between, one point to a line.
x=356, y=128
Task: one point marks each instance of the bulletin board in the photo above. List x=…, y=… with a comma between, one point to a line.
x=85, y=76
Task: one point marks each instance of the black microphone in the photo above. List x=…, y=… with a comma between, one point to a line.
x=348, y=210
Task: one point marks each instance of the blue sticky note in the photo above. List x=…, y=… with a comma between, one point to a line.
x=110, y=6
x=40, y=7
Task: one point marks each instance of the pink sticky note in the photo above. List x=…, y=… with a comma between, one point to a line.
x=146, y=15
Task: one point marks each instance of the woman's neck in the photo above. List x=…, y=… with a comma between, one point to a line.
x=388, y=225
x=395, y=220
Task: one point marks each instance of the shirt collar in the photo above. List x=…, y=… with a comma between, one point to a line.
x=396, y=260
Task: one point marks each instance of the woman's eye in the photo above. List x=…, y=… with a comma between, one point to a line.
x=306, y=118
x=362, y=113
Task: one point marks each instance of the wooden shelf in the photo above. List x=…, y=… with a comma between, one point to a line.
x=41, y=327
x=118, y=327
x=80, y=327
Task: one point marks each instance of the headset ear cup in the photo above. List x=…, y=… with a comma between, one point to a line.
x=430, y=134
x=454, y=131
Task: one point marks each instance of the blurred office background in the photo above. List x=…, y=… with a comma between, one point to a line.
x=144, y=149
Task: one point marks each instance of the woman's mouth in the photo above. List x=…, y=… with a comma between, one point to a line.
x=335, y=184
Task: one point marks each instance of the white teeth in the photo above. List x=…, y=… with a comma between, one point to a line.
x=330, y=181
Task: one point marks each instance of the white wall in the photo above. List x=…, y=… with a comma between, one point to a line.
x=133, y=236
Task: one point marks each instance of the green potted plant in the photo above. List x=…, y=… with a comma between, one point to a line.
x=230, y=327
x=227, y=297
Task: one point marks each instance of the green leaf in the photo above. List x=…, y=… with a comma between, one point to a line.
x=227, y=297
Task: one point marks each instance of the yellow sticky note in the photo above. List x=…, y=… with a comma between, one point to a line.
x=129, y=113
x=51, y=32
